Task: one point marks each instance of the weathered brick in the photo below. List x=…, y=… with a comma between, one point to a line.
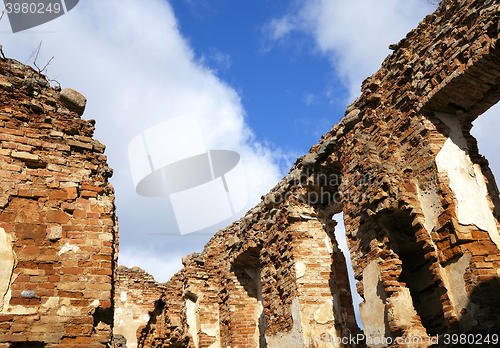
x=57, y=216
x=42, y=174
x=25, y=156
x=4, y=318
x=70, y=294
x=75, y=270
x=92, y=286
x=58, y=195
x=79, y=340
x=30, y=231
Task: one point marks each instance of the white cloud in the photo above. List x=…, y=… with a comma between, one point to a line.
x=161, y=268
x=354, y=35
x=136, y=70
x=221, y=61
x=279, y=28
x=310, y=99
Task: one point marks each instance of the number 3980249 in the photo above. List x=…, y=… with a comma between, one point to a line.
x=471, y=339
x=33, y=8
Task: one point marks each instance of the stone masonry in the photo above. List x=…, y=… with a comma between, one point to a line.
x=421, y=210
x=58, y=229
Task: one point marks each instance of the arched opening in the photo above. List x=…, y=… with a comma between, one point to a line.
x=425, y=289
x=243, y=322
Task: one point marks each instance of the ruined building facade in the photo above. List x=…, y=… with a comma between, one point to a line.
x=420, y=207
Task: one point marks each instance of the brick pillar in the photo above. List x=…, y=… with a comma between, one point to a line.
x=57, y=217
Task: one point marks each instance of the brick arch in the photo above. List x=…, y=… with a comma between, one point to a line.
x=410, y=130
x=396, y=152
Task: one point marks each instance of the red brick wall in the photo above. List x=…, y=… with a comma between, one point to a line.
x=136, y=295
x=57, y=209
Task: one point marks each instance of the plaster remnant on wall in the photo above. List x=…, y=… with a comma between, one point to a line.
x=324, y=314
x=193, y=320
x=300, y=268
x=136, y=292
x=290, y=339
x=402, y=311
x=466, y=180
x=301, y=212
x=260, y=318
x=69, y=248
x=52, y=302
x=373, y=309
x=107, y=237
x=454, y=282
x=211, y=330
x=54, y=232
x=68, y=311
x=328, y=243
x=430, y=206
x=128, y=318
x=7, y=260
x=123, y=296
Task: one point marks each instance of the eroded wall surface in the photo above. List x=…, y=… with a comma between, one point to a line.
x=136, y=294
x=424, y=228
x=272, y=279
x=58, y=229
x=421, y=210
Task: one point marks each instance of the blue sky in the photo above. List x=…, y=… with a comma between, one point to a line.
x=283, y=86
x=265, y=77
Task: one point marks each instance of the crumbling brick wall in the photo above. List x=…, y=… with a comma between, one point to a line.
x=165, y=326
x=427, y=231
x=136, y=294
x=58, y=228
x=421, y=210
x=274, y=277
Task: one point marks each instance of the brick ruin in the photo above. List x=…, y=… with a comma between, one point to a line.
x=136, y=296
x=58, y=229
x=420, y=206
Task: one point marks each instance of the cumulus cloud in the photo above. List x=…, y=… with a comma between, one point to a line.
x=162, y=268
x=136, y=70
x=220, y=61
x=310, y=99
x=354, y=36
